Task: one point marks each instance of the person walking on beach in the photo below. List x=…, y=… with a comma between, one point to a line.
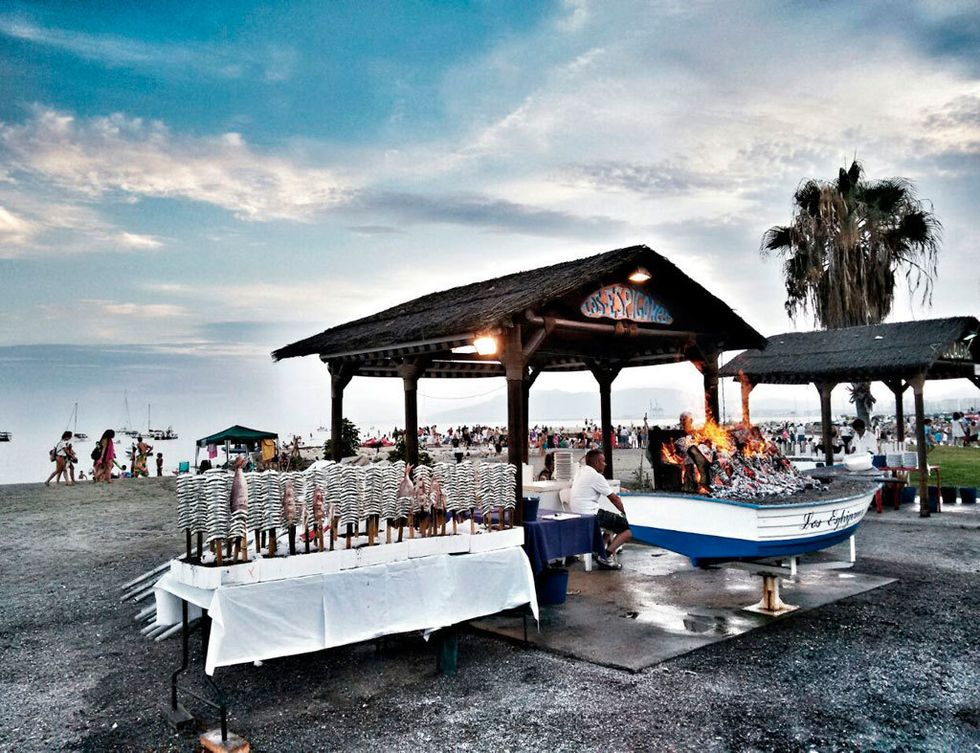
x=104, y=456
x=61, y=452
x=159, y=464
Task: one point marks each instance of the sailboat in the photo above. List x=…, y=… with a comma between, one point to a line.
x=158, y=434
x=6, y=436
x=73, y=422
x=127, y=424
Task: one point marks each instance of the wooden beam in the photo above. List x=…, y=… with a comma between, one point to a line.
x=410, y=369
x=512, y=358
x=539, y=337
x=530, y=376
x=604, y=374
x=918, y=383
x=826, y=421
x=747, y=387
x=898, y=387
x=340, y=376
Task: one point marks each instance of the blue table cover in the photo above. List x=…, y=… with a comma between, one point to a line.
x=546, y=540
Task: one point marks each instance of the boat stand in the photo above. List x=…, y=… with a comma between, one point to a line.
x=774, y=569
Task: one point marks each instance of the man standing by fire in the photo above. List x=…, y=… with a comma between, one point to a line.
x=588, y=490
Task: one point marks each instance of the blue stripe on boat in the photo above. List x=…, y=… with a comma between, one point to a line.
x=702, y=548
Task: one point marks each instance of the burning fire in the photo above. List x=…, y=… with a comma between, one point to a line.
x=735, y=461
x=748, y=441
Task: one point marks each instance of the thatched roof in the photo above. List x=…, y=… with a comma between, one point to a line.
x=437, y=322
x=940, y=348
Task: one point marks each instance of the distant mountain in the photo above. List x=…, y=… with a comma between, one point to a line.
x=556, y=405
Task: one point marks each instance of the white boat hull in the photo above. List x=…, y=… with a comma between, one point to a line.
x=707, y=529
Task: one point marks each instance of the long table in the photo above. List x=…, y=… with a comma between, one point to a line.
x=266, y=620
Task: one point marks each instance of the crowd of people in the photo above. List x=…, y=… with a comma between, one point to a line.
x=105, y=467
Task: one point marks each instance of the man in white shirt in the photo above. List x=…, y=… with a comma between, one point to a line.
x=589, y=488
x=863, y=440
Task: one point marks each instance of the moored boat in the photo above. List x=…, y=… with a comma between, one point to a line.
x=710, y=529
x=6, y=436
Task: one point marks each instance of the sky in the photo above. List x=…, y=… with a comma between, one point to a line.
x=185, y=187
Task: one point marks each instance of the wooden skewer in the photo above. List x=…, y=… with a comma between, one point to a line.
x=292, y=538
x=187, y=536
x=306, y=538
x=200, y=545
x=272, y=542
x=217, y=552
x=350, y=528
x=258, y=541
x=245, y=547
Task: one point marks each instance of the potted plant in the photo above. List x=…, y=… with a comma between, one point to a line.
x=968, y=495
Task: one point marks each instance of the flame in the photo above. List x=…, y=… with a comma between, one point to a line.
x=747, y=441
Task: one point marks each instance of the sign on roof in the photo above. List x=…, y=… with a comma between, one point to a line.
x=623, y=302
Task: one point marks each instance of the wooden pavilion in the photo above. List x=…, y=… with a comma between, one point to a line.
x=902, y=355
x=627, y=307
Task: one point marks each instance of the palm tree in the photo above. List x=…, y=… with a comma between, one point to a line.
x=849, y=241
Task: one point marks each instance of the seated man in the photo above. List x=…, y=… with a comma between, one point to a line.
x=589, y=488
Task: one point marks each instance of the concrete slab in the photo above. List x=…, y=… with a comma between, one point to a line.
x=658, y=607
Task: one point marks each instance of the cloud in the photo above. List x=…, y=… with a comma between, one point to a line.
x=187, y=60
x=15, y=230
x=134, y=240
x=130, y=157
x=665, y=177
x=487, y=213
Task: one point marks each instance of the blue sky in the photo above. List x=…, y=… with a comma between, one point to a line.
x=205, y=182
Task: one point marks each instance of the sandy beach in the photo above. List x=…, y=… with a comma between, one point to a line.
x=893, y=668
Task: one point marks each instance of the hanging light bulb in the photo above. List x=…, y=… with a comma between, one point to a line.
x=640, y=275
x=486, y=345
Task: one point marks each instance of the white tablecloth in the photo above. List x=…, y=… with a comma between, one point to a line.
x=285, y=617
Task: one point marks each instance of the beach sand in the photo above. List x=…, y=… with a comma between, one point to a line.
x=895, y=667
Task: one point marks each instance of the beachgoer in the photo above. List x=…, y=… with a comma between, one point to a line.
x=549, y=468
x=104, y=458
x=143, y=451
x=61, y=451
x=159, y=464
x=588, y=489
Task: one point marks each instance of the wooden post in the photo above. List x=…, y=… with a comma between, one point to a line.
x=605, y=374
x=410, y=370
x=513, y=360
x=340, y=376
x=826, y=421
x=529, y=378
x=918, y=382
x=747, y=387
x=709, y=375
x=898, y=388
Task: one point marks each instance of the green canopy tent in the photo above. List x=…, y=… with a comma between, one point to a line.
x=236, y=434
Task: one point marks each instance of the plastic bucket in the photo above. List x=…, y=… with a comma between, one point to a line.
x=878, y=461
x=949, y=495
x=968, y=495
x=552, y=586
x=908, y=495
x=531, y=509
x=933, y=499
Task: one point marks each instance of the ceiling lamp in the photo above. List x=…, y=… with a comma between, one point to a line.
x=640, y=275
x=486, y=345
